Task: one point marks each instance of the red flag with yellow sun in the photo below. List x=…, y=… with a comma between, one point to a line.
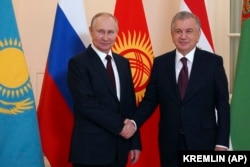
x=133, y=42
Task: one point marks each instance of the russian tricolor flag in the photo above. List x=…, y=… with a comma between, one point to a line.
x=55, y=109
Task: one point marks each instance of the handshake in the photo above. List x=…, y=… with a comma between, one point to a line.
x=129, y=129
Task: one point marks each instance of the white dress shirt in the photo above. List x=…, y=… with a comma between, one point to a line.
x=178, y=63
x=102, y=56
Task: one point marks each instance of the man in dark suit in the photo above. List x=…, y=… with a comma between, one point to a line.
x=188, y=118
x=101, y=106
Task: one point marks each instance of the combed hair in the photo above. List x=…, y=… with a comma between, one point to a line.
x=182, y=15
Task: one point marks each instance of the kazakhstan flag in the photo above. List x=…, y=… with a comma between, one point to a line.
x=19, y=136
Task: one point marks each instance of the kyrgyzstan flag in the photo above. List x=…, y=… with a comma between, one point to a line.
x=133, y=42
x=198, y=7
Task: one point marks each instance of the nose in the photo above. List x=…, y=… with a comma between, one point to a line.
x=183, y=34
x=105, y=36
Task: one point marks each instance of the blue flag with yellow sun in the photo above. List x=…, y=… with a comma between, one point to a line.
x=19, y=136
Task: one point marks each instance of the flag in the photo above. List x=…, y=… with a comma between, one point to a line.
x=55, y=109
x=133, y=42
x=198, y=7
x=240, y=113
x=19, y=134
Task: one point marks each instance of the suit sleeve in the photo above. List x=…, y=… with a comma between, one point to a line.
x=222, y=104
x=92, y=105
x=149, y=101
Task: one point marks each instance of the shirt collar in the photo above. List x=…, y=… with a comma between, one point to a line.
x=101, y=54
x=189, y=56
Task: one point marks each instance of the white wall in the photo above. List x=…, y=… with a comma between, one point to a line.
x=36, y=17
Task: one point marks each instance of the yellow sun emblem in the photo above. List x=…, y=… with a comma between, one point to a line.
x=15, y=86
x=137, y=48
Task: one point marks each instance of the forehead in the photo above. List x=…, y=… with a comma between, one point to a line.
x=104, y=21
x=185, y=23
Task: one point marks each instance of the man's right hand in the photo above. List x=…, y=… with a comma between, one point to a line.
x=128, y=129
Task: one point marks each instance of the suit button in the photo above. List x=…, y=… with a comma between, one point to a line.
x=181, y=131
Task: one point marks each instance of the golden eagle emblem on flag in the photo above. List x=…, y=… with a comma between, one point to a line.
x=15, y=85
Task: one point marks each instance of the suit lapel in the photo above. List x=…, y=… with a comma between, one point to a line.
x=194, y=74
x=120, y=70
x=99, y=68
x=172, y=75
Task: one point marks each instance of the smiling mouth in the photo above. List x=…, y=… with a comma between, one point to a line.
x=105, y=44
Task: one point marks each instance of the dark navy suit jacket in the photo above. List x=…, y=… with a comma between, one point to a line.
x=207, y=90
x=98, y=114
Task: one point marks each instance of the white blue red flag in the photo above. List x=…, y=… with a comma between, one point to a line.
x=55, y=111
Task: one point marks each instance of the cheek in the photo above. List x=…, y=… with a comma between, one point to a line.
x=93, y=37
x=113, y=38
x=176, y=41
x=96, y=39
x=197, y=37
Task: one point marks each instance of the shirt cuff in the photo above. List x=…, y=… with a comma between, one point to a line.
x=222, y=146
x=134, y=124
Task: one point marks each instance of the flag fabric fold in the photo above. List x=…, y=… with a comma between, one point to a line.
x=240, y=113
x=205, y=42
x=55, y=109
x=19, y=133
x=133, y=42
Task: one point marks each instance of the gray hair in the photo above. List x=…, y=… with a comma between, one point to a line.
x=103, y=14
x=182, y=15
